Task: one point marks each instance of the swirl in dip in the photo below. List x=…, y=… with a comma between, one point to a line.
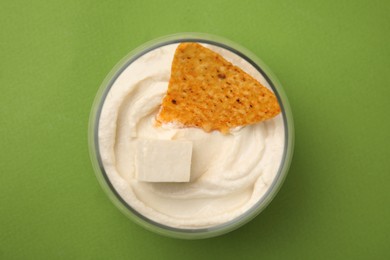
x=229, y=173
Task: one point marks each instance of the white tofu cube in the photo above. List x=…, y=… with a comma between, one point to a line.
x=163, y=160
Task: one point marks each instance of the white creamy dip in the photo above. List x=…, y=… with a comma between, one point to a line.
x=229, y=173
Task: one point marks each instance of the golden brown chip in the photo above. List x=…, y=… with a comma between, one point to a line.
x=208, y=92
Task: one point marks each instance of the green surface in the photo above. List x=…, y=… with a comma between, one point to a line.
x=333, y=59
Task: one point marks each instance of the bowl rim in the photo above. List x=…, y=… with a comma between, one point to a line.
x=109, y=188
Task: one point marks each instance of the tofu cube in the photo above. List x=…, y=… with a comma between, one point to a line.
x=163, y=160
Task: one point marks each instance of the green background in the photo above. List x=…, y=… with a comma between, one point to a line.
x=333, y=59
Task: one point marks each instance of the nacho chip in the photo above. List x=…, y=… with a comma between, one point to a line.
x=208, y=92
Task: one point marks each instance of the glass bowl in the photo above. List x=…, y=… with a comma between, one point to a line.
x=113, y=187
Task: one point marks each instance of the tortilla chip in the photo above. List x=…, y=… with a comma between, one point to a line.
x=208, y=92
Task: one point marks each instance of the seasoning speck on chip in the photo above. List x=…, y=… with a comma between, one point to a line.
x=209, y=92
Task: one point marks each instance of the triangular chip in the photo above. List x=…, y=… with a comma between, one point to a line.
x=208, y=92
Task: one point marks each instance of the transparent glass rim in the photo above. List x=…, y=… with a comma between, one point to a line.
x=110, y=190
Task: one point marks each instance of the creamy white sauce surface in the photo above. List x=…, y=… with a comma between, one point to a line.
x=229, y=173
